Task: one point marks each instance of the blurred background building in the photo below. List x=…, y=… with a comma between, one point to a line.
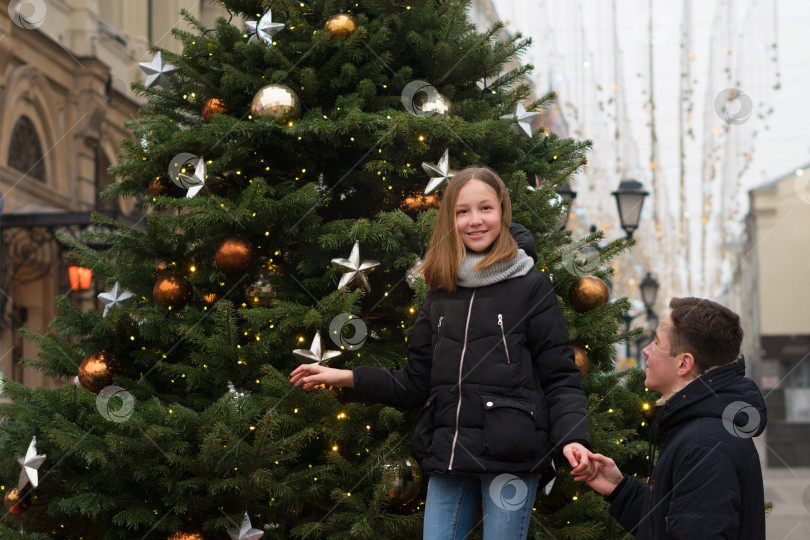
x=65, y=74
x=771, y=292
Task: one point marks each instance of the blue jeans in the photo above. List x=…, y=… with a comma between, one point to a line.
x=453, y=500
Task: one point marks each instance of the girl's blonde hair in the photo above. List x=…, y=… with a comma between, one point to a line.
x=443, y=259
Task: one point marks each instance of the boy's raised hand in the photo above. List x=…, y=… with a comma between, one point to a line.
x=600, y=472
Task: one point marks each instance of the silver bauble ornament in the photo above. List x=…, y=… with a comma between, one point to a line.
x=433, y=103
x=276, y=101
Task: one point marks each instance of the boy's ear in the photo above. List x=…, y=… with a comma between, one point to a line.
x=687, y=365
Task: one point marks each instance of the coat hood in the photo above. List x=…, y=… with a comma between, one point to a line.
x=724, y=392
x=524, y=239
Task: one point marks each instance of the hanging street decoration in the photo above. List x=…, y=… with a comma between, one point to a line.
x=114, y=298
x=524, y=119
x=246, y=531
x=264, y=28
x=439, y=172
x=157, y=71
x=356, y=269
x=315, y=353
x=30, y=463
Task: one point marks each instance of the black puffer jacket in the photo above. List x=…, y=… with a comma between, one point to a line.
x=707, y=482
x=493, y=369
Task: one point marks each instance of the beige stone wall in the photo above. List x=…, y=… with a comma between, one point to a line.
x=783, y=240
x=57, y=75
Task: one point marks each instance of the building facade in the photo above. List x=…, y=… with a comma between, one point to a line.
x=65, y=72
x=771, y=292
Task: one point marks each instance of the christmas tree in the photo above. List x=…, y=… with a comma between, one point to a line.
x=289, y=176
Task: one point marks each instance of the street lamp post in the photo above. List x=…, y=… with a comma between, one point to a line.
x=564, y=190
x=630, y=198
x=649, y=290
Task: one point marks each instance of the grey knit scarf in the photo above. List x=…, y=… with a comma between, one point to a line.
x=500, y=271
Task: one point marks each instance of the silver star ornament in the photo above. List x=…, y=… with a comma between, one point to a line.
x=316, y=352
x=114, y=298
x=439, y=172
x=356, y=269
x=246, y=531
x=192, y=183
x=524, y=119
x=30, y=463
x=264, y=28
x=157, y=71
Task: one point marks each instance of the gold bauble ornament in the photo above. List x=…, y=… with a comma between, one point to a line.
x=262, y=291
x=160, y=185
x=588, y=293
x=341, y=26
x=213, y=106
x=416, y=202
x=96, y=372
x=581, y=359
x=276, y=101
x=17, y=502
x=172, y=291
x=403, y=480
x=234, y=255
x=189, y=531
x=433, y=102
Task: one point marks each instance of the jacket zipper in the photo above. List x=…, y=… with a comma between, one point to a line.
x=438, y=328
x=503, y=335
x=460, y=365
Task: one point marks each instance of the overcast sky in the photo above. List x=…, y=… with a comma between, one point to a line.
x=757, y=47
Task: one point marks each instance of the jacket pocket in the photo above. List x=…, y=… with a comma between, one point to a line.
x=509, y=428
x=423, y=434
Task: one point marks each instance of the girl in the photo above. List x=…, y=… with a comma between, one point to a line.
x=491, y=365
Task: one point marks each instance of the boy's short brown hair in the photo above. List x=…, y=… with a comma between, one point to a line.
x=711, y=332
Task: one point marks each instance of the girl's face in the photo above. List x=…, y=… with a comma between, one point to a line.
x=478, y=215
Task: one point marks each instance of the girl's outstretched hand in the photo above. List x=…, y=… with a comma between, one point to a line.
x=576, y=454
x=312, y=375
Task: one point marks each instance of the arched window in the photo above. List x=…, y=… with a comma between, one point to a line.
x=25, y=152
